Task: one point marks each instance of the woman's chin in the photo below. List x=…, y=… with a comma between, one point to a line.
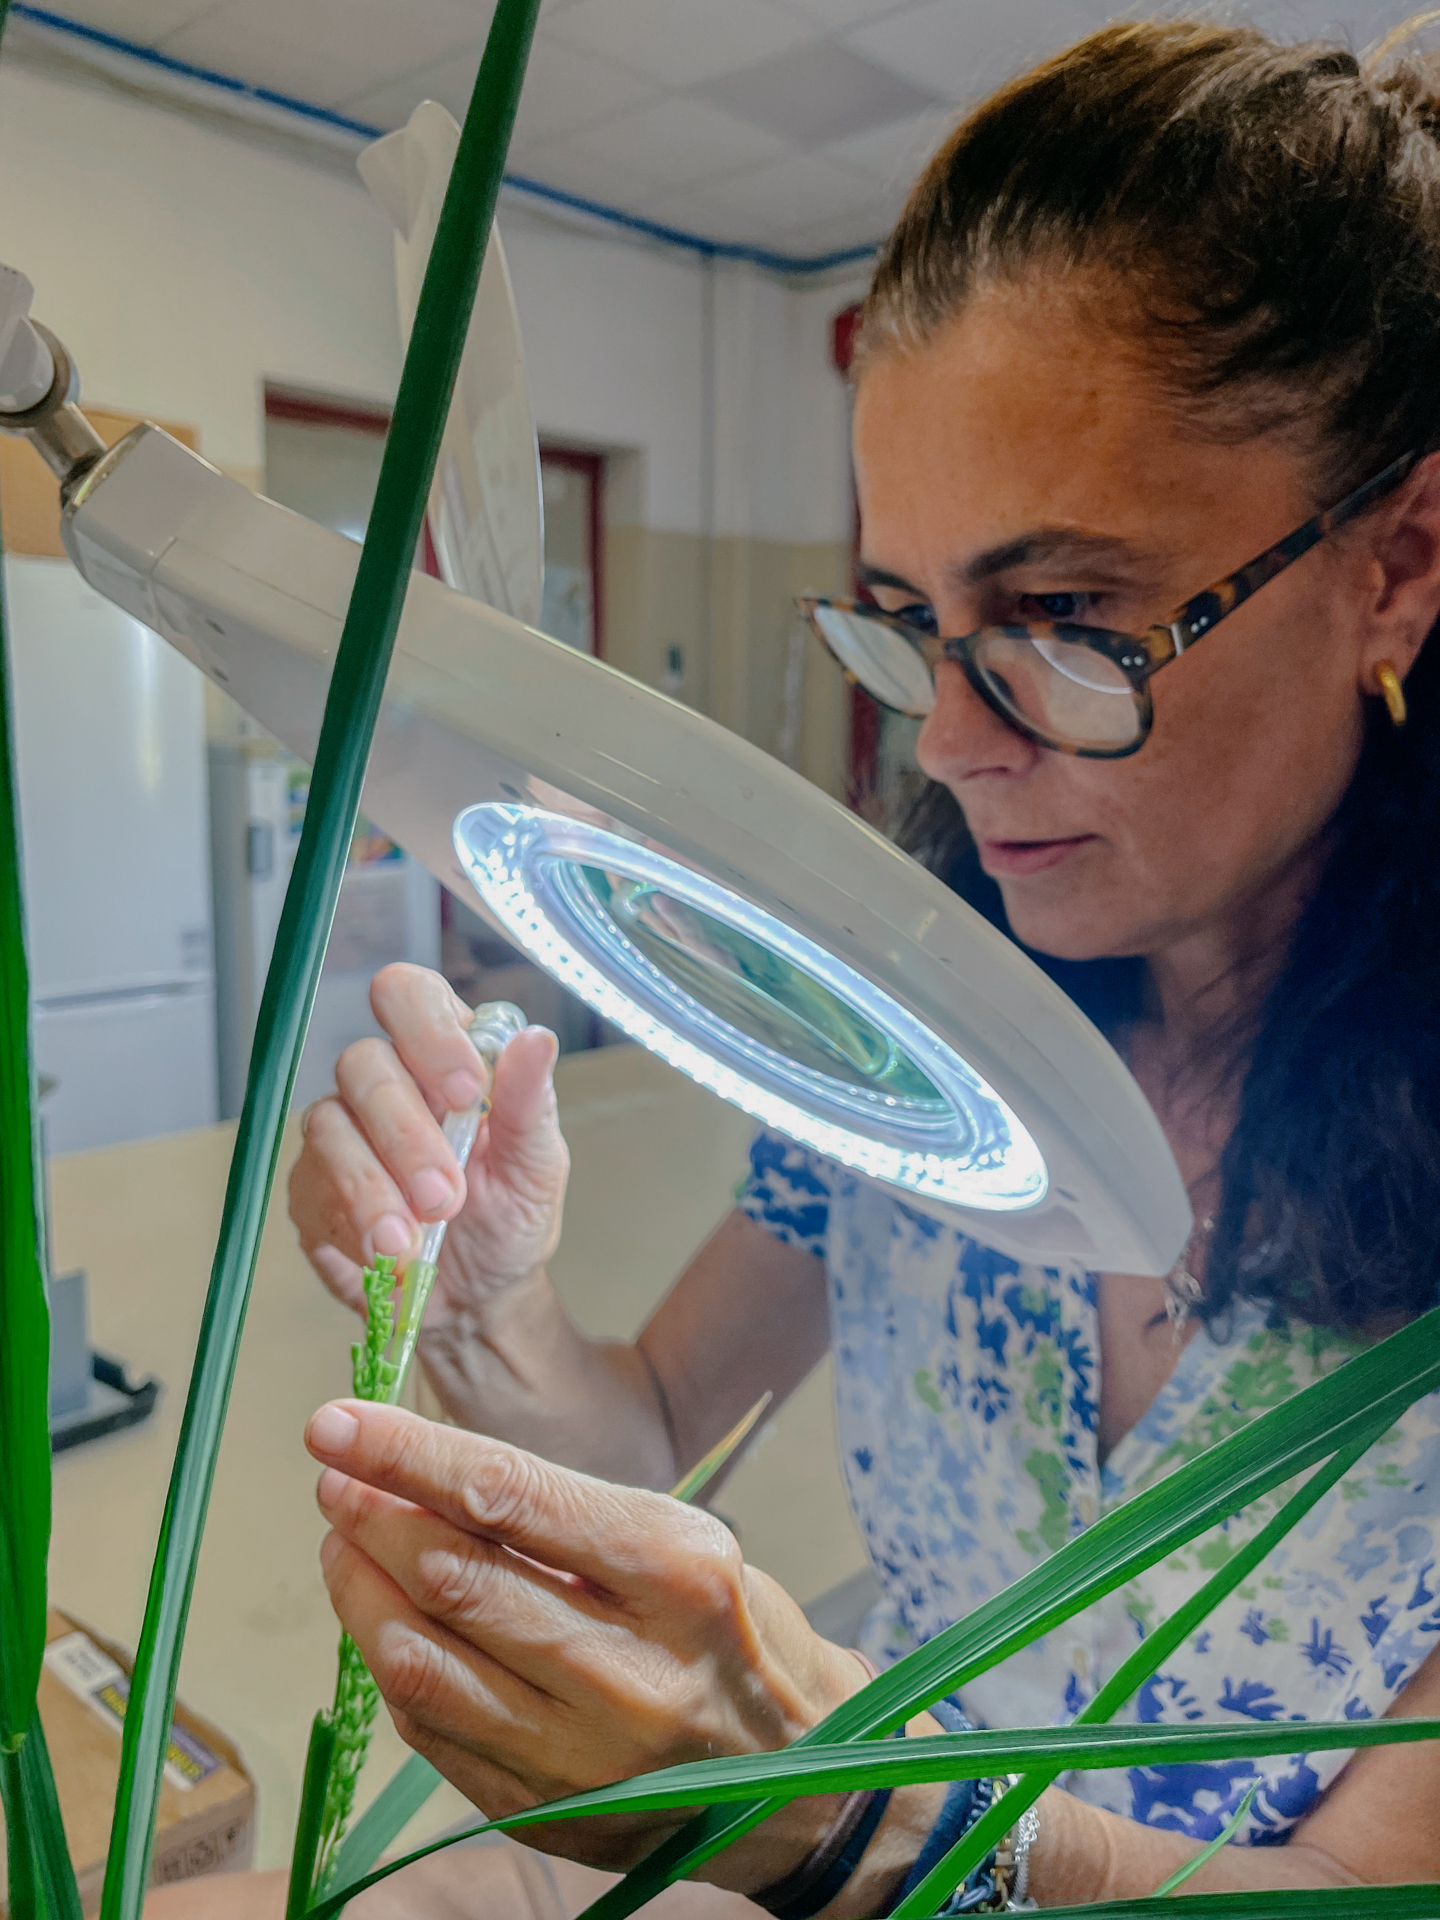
x=1062, y=933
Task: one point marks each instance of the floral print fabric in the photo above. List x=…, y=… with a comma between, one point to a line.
x=967, y=1393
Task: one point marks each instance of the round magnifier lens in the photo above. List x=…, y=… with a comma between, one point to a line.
x=882, y=660
x=748, y=1007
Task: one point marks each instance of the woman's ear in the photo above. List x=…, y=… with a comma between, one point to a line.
x=1401, y=559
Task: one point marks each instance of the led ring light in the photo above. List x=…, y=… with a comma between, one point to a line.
x=861, y=1080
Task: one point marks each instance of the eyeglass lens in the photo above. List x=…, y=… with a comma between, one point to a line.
x=1063, y=689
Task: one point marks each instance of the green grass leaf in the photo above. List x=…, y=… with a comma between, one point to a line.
x=351, y=709
x=24, y=1313
x=1129, y=1676
x=1222, y=1839
x=1348, y=1408
x=1361, y=1398
x=42, y=1879
x=310, y=1820
x=844, y=1766
x=387, y=1815
x=1288, y=1903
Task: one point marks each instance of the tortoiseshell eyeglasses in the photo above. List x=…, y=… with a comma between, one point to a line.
x=1077, y=689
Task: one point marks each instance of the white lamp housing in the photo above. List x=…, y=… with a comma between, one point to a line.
x=713, y=903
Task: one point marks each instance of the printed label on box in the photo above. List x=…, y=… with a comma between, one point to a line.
x=92, y=1676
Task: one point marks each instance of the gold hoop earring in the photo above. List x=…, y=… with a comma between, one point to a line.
x=1392, y=692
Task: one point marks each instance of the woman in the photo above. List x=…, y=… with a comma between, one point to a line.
x=1153, y=307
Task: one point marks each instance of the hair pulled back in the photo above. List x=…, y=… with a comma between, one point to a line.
x=1267, y=218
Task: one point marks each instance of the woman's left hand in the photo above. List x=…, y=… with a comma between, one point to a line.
x=536, y=1632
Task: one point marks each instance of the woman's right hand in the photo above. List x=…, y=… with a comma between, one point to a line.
x=375, y=1165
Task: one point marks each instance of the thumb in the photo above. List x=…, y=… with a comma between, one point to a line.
x=523, y=1118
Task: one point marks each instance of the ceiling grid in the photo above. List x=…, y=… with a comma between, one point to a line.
x=790, y=125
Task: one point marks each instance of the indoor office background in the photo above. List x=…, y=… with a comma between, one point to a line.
x=698, y=189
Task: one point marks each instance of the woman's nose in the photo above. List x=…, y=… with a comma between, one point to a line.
x=962, y=737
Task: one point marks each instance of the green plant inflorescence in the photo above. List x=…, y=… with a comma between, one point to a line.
x=357, y=1698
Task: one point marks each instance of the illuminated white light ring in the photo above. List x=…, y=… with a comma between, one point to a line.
x=1022, y=1182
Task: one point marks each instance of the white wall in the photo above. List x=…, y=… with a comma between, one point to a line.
x=184, y=266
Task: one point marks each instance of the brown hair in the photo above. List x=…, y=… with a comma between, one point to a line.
x=1271, y=212
x=1270, y=217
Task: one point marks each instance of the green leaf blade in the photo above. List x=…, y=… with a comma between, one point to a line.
x=1208, y=1852
x=386, y=1817
x=24, y=1311
x=351, y=709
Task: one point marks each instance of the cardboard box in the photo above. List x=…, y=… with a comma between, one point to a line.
x=207, y=1800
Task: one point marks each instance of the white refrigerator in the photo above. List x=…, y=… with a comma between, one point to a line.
x=110, y=747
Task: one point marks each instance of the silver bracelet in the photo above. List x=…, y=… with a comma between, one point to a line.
x=1026, y=1834
x=1012, y=1856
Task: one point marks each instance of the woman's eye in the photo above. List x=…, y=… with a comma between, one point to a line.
x=919, y=616
x=1065, y=608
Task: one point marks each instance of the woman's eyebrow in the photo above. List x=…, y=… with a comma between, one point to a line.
x=1056, y=545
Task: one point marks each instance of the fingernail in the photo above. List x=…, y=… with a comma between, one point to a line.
x=332, y=1430
x=461, y=1089
x=330, y=1486
x=430, y=1190
x=390, y=1235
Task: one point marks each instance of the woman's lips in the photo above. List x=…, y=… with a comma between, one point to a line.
x=1029, y=856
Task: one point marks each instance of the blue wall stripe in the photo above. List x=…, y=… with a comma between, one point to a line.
x=787, y=263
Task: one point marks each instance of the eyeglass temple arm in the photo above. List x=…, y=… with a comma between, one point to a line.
x=1207, y=609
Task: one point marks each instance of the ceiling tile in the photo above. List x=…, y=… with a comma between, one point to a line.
x=815, y=93
x=841, y=13
x=449, y=81
x=573, y=167
x=563, y=91
x=694, y=212
x=960, y=48
x=810, y=238
x=673, y=143
x=330, y=49
x=890, y=157
x=566, y=91
x=144, y=24
x=789, y=192
x=680, y=42
x=1323, y=20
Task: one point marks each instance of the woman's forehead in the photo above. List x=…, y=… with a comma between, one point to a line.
x=1031, y=425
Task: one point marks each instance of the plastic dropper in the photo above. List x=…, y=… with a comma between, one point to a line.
x=492, y=1028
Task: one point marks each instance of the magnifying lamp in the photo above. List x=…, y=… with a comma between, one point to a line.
x=707, y=899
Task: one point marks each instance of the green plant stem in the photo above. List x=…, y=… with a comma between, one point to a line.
x=351, y=709
x=1128, y=1678
x=22, y=1868
x=24, y=1311
x=40, y=1877
x=314, y=1789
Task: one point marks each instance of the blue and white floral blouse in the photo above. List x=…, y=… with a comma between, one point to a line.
x=967, y=1390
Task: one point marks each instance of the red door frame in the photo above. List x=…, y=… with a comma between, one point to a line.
x=862, y=774
x=592, y=465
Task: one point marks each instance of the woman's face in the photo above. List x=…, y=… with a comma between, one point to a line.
x=1025, y=467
